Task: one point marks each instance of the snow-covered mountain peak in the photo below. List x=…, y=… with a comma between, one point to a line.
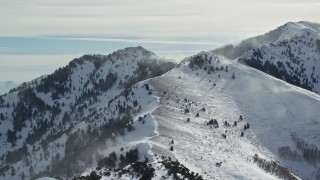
x=292, y=29
x=295, y=60
x=135, y=52
x=90, y=94
x=303, y=25
x=286, y=31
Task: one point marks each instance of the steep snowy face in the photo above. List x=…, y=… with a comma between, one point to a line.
x=55, y=124
x=6, y=86
x=287, y=31
x=295, y=60
x=219, y=119
x=220, y=113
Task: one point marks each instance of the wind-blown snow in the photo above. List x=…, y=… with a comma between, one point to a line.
x=272, y=108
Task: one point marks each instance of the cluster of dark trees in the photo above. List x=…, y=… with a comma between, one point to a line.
x=203, y=62
x=107, y=83
x=213, y=122
x=198, y=60
x=148, y=69
x=274, y=168
x=311, y=153
x=31, y=107
x=318, y=44
x=28, y=107
x=175, y=168
x=285, y=152
x=141, y=170
x=56, y=83
x=132, y=156
x=278, y=69
x=109, y=161
x=317, y=172
x=82, y=144
x=16, y=155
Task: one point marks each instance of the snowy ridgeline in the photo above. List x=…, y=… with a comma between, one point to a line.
x=221, y=113
x=133, y=115
x=218, y=119
x=290, y=52
x=58, y=124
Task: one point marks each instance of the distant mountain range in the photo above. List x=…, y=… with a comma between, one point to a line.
x=134, y=115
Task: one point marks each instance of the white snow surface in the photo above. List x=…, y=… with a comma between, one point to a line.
x=299, y=55
x=273, y=108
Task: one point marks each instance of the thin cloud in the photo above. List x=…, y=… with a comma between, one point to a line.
x=151, y=18
x=139, y=41
x=5, y=49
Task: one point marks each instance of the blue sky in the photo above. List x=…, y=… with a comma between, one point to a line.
x=37, y=36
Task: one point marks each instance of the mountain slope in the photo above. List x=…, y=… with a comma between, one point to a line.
x=6, y=86
x=219, y=119
x=287, y=31
x=273, y=109
x=132, y=115
x=295, y=60
x=53, y=125
x=290, y=53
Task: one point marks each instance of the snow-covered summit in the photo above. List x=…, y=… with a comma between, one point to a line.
x=295, y=60
x=286, y=31
x=291, y=53
x=57, y=118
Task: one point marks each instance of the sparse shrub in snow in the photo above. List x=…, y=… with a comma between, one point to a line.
x=213, y=122
x=172, y=142
x=246, y=126
x=135, y=103
x=233, y=76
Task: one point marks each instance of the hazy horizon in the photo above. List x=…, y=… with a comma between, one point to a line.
x=37, y=37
